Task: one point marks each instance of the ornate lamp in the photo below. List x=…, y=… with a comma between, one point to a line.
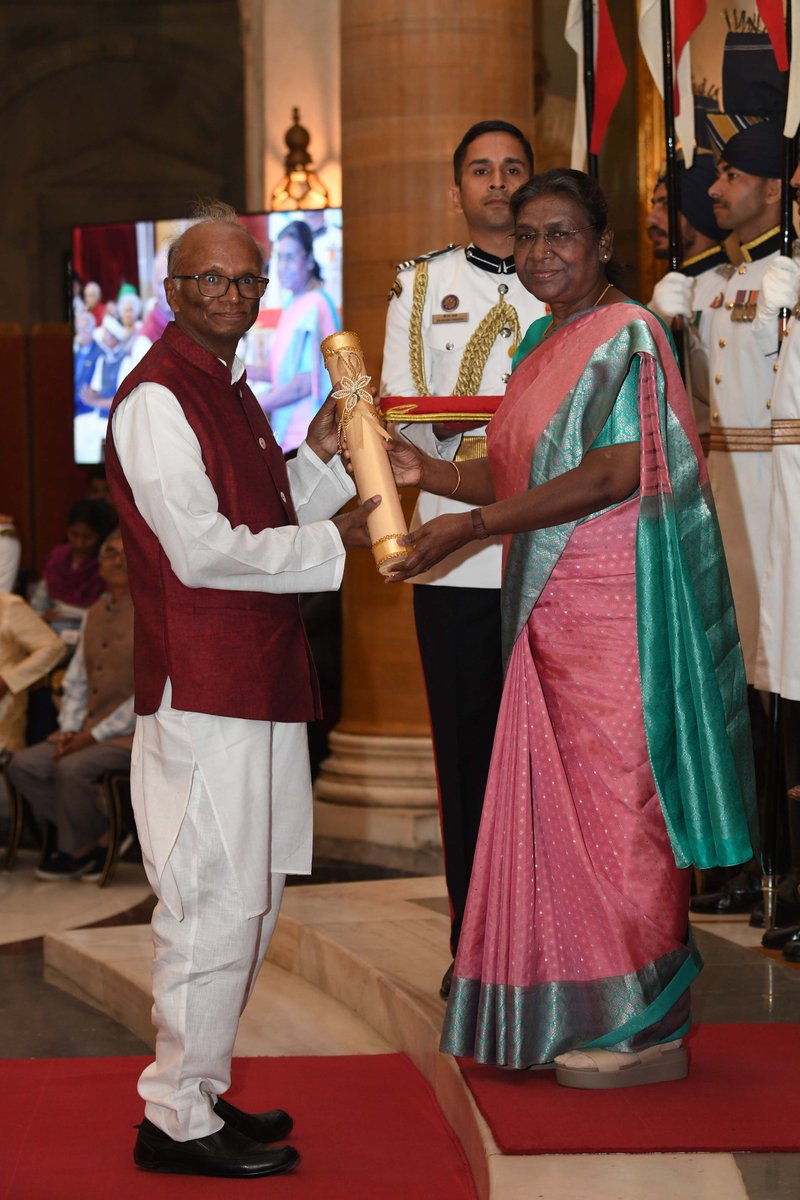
x=300, y=187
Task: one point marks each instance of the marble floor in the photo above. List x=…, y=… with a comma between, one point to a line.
x=355, y=968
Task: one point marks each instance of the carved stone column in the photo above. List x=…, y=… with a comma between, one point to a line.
x=415, y=76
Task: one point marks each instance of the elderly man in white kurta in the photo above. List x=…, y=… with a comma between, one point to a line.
x=222, y=798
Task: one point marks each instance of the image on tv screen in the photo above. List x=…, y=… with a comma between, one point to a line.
x=119, y=310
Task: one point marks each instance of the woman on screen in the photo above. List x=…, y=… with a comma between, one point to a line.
x=298, y=381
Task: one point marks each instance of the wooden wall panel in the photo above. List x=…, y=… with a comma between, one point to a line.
x=55, y=479
x=15, y=493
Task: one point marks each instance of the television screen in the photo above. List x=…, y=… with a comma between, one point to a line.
x=119, y=310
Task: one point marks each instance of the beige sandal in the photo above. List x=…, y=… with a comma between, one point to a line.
x=612, y=1069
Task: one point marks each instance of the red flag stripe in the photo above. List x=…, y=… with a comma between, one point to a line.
x=608, y=81
x=688, y=15
x=771, y=13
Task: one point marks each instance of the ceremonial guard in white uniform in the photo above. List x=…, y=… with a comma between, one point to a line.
x=742, y=365
x=778, y=659
x=688, y=293
x=455, y=319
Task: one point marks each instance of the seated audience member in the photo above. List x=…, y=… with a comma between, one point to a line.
x=9, y=553
x=112, y=338
x=59, y=777
x=129, y=310
x=28, y=650
x=85, y=352
x=93, y=300
x=72, y=579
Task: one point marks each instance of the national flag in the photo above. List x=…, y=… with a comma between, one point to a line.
x=685, y=16
x=608, y=81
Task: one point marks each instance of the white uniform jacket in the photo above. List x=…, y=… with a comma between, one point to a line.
x=778, y=661
x=464, y=284
x=742, y=361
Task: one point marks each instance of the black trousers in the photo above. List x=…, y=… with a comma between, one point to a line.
x=458, y=630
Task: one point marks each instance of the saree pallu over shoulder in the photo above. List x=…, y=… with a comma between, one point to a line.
x=691, y=669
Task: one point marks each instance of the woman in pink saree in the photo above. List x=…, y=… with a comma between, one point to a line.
x=622, y=749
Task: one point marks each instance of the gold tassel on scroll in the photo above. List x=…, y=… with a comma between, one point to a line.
x=360, y=428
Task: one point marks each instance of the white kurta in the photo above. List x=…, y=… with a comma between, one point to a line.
x=741, y=379
x=256, y=772
x=475, y=292
x=778, y=662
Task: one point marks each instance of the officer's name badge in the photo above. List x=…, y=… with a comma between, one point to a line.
x=449, y=318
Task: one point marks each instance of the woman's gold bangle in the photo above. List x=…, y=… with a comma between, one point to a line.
x=458, y=479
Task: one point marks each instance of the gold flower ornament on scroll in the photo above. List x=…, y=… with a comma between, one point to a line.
x=361, y=431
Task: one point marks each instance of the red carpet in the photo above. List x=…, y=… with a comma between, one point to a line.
x=367, y=1127
x=740, y=1095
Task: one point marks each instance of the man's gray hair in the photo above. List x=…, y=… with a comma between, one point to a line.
x=207, y=209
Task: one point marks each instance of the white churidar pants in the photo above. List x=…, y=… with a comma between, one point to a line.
x=202, y=790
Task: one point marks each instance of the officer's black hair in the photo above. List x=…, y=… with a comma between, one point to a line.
x=482, y=127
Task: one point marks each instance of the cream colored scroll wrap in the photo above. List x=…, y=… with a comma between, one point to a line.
x=360, y=428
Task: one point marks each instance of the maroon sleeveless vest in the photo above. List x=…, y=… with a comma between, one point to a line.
x=230, y=653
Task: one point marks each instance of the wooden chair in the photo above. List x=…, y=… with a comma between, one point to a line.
x=18, y=811
x=117, y=788
x=16, y=816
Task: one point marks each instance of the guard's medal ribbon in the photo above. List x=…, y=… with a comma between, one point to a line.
x=364, y=435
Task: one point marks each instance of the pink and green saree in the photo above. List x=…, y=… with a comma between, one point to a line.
x=622, y=753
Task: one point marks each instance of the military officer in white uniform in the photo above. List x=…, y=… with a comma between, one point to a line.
x=778, y=657
x=688, y=293
x=742, y=362
x=455, y=319
x=746, y=195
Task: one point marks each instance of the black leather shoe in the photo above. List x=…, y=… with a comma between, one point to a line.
x=791, y=951
x=272, y=1126
x=776, y=939
x=447, y=981
x=226, y=1153
x=739, y=895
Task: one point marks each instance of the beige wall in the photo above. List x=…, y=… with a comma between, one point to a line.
x=298, y=66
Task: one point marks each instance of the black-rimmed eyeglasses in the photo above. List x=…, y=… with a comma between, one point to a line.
x=211, y=285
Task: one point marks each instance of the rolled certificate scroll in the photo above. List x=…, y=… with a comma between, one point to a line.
x=360, y=428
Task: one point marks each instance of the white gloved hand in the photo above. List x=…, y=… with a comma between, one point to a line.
x=673, y=296
x=779, y=289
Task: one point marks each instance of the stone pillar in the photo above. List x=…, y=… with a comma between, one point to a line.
x=415, y=76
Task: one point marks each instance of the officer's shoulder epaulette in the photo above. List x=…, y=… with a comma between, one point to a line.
x=412, y=262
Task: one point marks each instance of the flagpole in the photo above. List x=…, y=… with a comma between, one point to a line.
x=669, y=133
x=789, y=163
x=588, y=81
